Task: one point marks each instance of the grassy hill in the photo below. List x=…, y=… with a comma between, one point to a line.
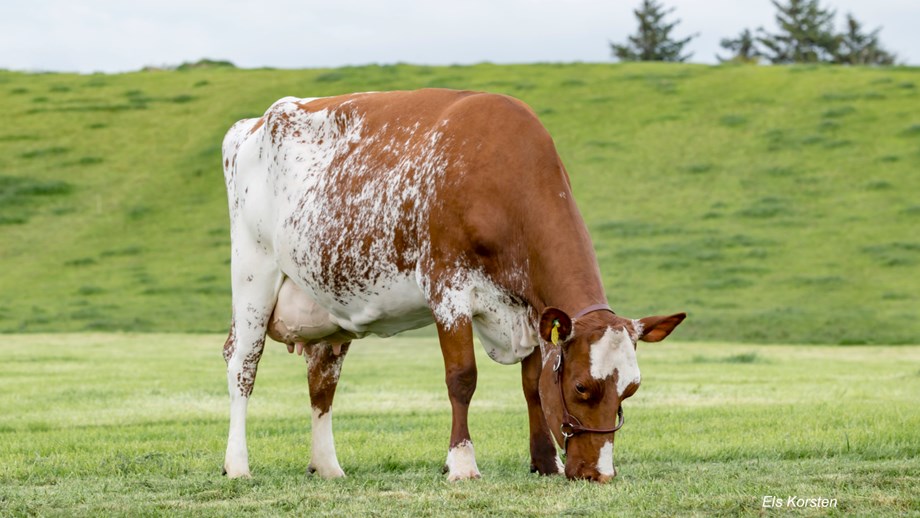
x=774, y=204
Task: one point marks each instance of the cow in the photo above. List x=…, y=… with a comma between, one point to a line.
x=376, y=213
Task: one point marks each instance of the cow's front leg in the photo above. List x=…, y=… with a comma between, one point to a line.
x=460, y=368
x=543, y=456
x=254, y=295
x=325, y=365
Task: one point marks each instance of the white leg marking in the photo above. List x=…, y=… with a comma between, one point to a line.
x=324, y=460
x=605, y=460
x=461, y=461
x=252, y=306
x=236, y=462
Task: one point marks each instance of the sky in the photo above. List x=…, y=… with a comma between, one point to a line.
x=117, y=35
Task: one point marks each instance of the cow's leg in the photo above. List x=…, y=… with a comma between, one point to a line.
x=256, y=281
x=325, y=365
x=460, y=368
x=543, y=457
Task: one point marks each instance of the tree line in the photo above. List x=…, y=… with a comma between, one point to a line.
x=805, y=34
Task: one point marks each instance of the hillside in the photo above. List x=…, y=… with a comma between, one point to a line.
x=773, y=204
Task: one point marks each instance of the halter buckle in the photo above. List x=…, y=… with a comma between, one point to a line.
x=567, y=426
x=566, y=436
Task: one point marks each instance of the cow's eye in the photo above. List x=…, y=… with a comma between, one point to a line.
x=580, y=388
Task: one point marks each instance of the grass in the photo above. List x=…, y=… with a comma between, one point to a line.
x=127, y=424
x=709, y=189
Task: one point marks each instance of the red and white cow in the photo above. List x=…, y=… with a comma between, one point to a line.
x=383, y=212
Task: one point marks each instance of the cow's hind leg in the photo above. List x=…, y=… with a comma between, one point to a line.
x=256, y=281
x=460, y=375
x=543, y=457
x=325, y=365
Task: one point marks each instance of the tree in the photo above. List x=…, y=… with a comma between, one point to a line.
x=743, y=48
x=653, y=42
x=857, y=48
x=806, y=34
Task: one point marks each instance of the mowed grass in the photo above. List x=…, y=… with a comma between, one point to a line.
x=773, y=204
x=126, y=424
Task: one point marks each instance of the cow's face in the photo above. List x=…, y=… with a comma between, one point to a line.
x=598, y=372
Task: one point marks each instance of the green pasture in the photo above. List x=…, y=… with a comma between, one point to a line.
x=773, y=204
x=135, y=425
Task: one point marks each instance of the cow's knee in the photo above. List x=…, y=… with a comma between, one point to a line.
x=461, y=383
x=323, y=372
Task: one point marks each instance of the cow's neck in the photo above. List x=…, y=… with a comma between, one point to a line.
x=563, y=268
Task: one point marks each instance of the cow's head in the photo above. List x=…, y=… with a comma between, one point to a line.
x=587, y=373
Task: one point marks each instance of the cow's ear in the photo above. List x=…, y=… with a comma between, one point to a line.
x=555, y=325
x=656, y=329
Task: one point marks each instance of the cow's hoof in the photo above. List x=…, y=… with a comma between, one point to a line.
x=326, y=472
x=456, y=477
x=461, y=462
x=236, y=464
x=235, y=474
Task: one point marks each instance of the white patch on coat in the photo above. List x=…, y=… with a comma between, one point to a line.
x=323, y=460
x=560, y=467
x=461, y=462
x=614, y=352
x=639, y=328
x=388, y=306
x=451, y=295
x=605, y=460
x=502, y=325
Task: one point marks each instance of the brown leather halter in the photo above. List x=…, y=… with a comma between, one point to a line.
x=571, y=426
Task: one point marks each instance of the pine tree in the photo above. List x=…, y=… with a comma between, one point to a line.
x=743, y=48
x=806, y=34
x=857, y=48
x=653, y=42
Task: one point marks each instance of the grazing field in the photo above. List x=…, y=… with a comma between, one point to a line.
x=773, y=204
x=126, y=424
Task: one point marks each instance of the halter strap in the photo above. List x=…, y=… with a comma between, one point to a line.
x=571, y=425
x=592, y=308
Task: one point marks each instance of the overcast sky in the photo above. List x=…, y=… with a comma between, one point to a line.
x=125, y=35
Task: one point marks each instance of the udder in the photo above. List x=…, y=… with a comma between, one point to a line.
x=299, y=320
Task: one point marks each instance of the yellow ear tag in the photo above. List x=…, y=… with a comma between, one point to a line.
x=554, y=335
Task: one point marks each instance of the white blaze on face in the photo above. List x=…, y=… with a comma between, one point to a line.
x=605, y=460
x=615, y=352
